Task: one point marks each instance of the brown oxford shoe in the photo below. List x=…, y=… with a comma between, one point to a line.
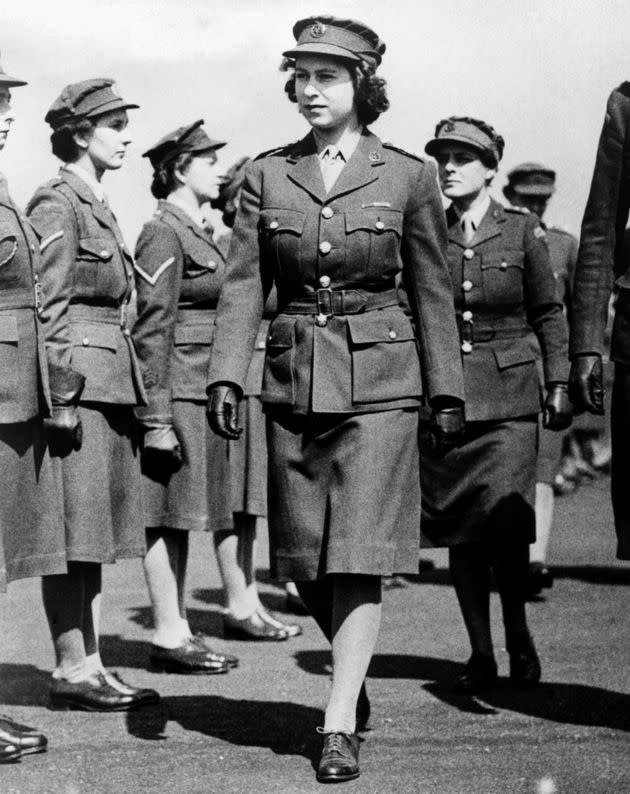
x=272, y=619
x=144, y=696
x=205, y=642
x=9, y=752
x=26, y=739
x=252, y=628
x=525, y=667
x=93, y=694
x=192, y=657
x=480, y=675
x=340, y=758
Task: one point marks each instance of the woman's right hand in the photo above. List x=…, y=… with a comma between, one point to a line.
x=222, y=410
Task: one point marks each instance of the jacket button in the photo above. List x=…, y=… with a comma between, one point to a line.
x=104, y=252
x=324, y=281
x=126, y=332
x=466, y=347
x=504, y=265
x=392, y=334
x=273, y=225
x=33, y=248
x=467, y=317
x=327, y=212
x=325, y=247
x=469, y=253
x=85, y=341
x=467, y=286
x=212, y=265
x=379, y=225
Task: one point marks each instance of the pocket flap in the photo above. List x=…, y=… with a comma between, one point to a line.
x=375, y=220
x=279, y=220
x=518, y=352
x=281, y=333
x=194, y=334
x=503, y=261
x=379, y=326
x=95, y=335
x=8, y=328
x=99, y=249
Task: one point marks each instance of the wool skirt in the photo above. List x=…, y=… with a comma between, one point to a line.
x=483, y=491
x=344, y=493
x=32, y=538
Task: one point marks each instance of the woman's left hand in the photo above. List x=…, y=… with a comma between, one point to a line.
x=557, y=410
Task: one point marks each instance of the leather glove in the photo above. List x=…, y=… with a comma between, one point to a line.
x=161, y=450
x=557, y=412
x=222, y=411
x=586, y=384
x=64, y=427
x=446, y=430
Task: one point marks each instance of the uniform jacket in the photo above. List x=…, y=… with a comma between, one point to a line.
x=563, y=250
x=87, y=283
x=382, y=215
x=24, y=381
x=506, y=303
x=179, y=275
x=601, y=259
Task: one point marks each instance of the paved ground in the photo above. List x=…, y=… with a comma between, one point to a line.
x=253, y=730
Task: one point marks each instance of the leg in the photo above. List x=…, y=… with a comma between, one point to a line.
x=620, y=438
x=165, y=573
x=544, y=520
x=64, y=598
x=92, y=587
x=234, y=550
x=470, y=571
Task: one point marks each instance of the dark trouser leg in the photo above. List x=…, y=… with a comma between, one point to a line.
x=620, y=471
x=470, y=570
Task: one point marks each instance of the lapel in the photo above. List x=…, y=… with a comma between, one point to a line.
x=180, y=218
x=490, y=225
x=455, y=231
x=102, y=213
x=305, y=170
x=362, y=167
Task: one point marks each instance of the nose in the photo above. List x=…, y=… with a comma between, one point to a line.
x=310, y=90
x=449, y=165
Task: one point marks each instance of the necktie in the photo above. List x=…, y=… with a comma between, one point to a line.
x=332, y=163
x=468, y=227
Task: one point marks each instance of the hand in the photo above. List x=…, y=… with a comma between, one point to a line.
x=586, y=384
x=557, y=413
x=161, y=450
x=222, y=411
x=64, y=428
x=446, y=430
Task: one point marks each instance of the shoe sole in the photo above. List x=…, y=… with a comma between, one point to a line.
x=173, y=669
x=74, y=706
x=337, y=778
x=235, y=634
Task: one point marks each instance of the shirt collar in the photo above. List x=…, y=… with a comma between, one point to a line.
x=476, y=214
x=193, y=213
x=89, y=179
x=346, y=144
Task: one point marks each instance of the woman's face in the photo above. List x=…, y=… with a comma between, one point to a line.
x=462, y=174
x=203, y=176
x=108, y=145
x=325, y=92
x=6, y=115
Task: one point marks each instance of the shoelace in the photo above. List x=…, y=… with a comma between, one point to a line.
x=334, y=741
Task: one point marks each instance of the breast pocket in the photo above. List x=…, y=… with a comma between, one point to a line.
x=280, y=233
x=278, y=378
x=91, y=276
x=502, y=277
x=373, y=240
x=9, y=271
x=385, y=363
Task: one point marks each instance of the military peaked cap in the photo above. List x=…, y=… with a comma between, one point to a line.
x=532, y=179
x=85, y=100
x=189, y=138
x=344, y=38
x=9, y=81
x=472, y=132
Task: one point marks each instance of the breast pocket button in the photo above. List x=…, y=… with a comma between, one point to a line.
x=467, y=286
x=325, y=247
x=327, y=213
x=469, y=253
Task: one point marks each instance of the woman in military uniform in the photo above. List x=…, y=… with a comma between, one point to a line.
x=330, y=221
x=87, y=282
x=479, y=499
x=32, y=541
x=187, y=468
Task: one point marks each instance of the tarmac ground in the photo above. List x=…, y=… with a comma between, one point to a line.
x=253, y=730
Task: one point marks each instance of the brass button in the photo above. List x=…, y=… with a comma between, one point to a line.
x=379, y=225
x=392, y=334
x=273, y=225
x=467, y=286
x=85, y=341
x=33, y=248
x=321, y=320
x=126, y=332
x=327, y=213
x=504, y=265
x=325, y=247
x=212, y=265
x=104, y=252
x=469, y=253
x=467, y=317
x=324, y=281
x=466, y=347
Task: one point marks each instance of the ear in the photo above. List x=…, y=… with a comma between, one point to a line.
x=490, y=175
x=180, y=176
x=81, y=141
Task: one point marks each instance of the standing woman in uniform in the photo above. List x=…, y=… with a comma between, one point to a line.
x=87, y=282
x=479, y=499
x=331, y=220
x=187, y=478
x=32, y=541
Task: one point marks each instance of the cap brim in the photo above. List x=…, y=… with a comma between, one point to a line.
x=533, y=190
x=212, y=146
x=9, y=81
x=118, y=104
x=436, y=144
x=322, y=49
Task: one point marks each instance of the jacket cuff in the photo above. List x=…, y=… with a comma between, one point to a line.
x=158, y=409
x=66, y=385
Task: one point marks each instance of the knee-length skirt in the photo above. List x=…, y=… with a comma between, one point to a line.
x=248, y=461
x=197, y=496
x=101, y=487
x=344, y=493
x=483, y=491
x=32, y=538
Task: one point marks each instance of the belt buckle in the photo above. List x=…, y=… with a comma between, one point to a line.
x=322, y=315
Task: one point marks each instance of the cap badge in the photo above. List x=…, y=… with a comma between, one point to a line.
x=374, y=156
x=318, y=30
x=448, y=127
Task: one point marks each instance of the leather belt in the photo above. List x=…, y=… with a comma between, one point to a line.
x=88, y=312
x=471, y=331
x=326, y=302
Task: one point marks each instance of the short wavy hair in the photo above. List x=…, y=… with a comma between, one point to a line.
x=62, y=139
x=370, y=90
x=164, y=180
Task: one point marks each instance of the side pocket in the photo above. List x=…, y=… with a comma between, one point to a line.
x=278, y=378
